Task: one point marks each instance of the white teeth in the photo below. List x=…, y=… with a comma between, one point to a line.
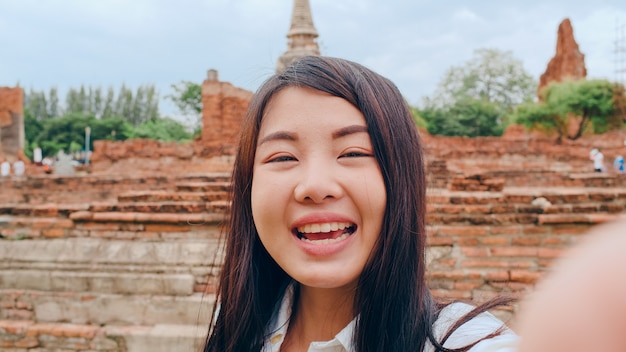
x=324, y=227
x=328, y=240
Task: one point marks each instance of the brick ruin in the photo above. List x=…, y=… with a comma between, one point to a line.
x=568, y=63
x=11, y=123
x=125, y=258
x=223, y=107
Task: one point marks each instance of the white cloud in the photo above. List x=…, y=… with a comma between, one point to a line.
x=71, y=42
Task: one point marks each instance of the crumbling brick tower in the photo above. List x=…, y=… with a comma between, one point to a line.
x=11, y=123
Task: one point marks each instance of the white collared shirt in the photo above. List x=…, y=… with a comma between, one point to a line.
x=482, y=325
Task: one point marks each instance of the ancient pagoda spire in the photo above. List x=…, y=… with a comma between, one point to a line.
x=301, y=38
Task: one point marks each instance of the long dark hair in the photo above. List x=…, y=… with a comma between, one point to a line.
x=395, y=308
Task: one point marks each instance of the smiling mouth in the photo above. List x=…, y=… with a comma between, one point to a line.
x=325, y=233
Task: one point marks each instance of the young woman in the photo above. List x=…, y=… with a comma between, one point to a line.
x=325, y=250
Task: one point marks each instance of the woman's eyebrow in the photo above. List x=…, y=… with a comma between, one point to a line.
x=344, y=131
x=279, y=135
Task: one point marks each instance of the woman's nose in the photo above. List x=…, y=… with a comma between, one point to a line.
x=318, y=182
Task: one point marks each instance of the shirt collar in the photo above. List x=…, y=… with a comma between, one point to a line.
x=341, y=342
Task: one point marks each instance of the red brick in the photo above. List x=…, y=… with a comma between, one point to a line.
x=446, y=262
x=23, y=305
x=167, y=228
x=81, y=215
x=550, y=252
x=116, y=217
x=467, y=286
x=53, y=233
x=526, y=241
x=43, y=223
x=484, y=263
x=439, y=241
x=534, y=230
x=448, y=209
x=462, y=230
x=451, y=294
x=495, y=240
x=499, y=275
x=467, y=241
x=502, y=209
x=602, y=218
x=479, y=209
x=562, y=219
x=570, y=229
x=475, y=252
x=505, y=230
x=511, y=286
x=514, y=251
x=555, y=241
x=527, y=277
x=98, y=226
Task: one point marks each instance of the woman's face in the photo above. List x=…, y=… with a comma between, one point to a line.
x=318, y=196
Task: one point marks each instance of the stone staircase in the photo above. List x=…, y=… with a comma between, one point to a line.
x=136, y=270
x=482, y=244
x=134, y=274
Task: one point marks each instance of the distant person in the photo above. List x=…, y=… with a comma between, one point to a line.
x=618, y=164
x=47, y=165
x=598, y=160
x=37, y=156
x=18, y=168
x=581, y=304
x=5, y=168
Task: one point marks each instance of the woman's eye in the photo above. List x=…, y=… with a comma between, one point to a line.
x=354, y=154
x=281, y=158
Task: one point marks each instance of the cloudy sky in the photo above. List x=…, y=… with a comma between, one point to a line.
x=68, y=43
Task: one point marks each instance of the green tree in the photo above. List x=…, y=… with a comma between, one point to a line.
x=35, y=102
x=108, y=109
x=53, y=103
x=490, y=75
x=467, y=117
x=187, y=97
x=570, y=109
x=67, y=132
x=162, y=129
x=32, y=128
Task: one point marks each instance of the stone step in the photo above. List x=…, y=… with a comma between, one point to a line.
x=168, y=196
x=95, y=281
x=521, y=209
x=48, y=209
x=184, y=207
x=177, y=268
x=95, y=308
x=517, y=195
x=171, y=206
x=214, y=186
x=75, y=189
x=27, y=335
x=94, y=252
x=507, y=219
x=115, y=225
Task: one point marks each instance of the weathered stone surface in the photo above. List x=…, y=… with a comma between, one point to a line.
x=568, y=63
x=123, y=283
